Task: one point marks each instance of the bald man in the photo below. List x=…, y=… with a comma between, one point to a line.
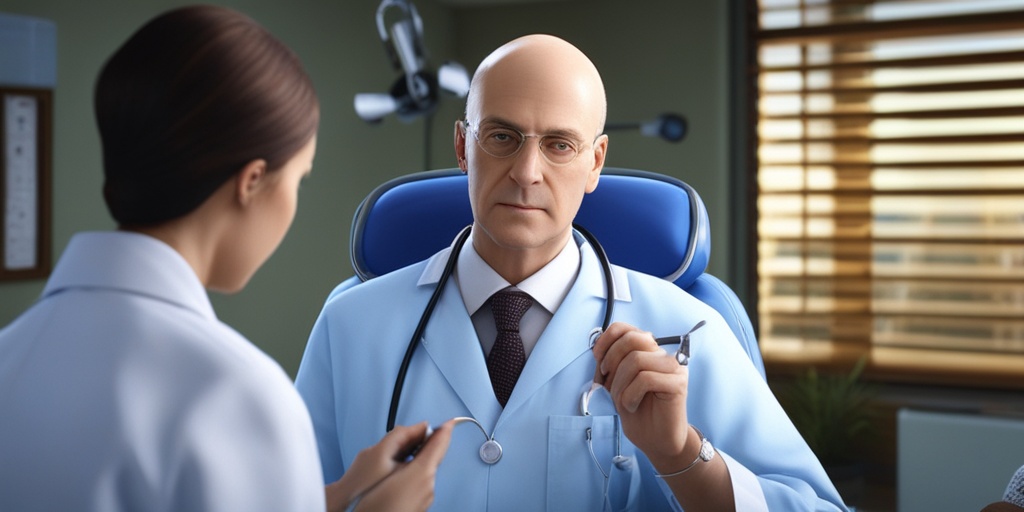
x=532, y=146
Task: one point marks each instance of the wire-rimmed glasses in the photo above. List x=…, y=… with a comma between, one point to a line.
x=502, y=141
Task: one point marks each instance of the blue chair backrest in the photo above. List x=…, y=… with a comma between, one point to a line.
x=648, y=222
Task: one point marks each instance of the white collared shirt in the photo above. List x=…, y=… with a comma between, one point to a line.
x=548, y=287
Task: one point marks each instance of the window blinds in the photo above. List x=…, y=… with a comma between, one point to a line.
x=890, y=179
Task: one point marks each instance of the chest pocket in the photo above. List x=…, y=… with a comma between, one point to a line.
x=575, y=481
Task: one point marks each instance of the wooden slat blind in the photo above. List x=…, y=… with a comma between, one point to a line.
x=890, y=179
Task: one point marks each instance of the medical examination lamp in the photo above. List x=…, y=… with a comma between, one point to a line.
x=415, y=93
x=668, y=126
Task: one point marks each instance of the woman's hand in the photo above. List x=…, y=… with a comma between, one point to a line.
x=381, y=479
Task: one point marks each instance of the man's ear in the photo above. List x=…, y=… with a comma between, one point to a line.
x=460, y=145
x=600, y=150
x=249, y=180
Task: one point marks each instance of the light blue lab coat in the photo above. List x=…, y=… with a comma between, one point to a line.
x=348, y=372
x=121, y=391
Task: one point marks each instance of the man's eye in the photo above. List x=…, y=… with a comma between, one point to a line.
x=502, y=137
x=561, y=145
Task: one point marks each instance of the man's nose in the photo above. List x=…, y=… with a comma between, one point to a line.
x=527, y=165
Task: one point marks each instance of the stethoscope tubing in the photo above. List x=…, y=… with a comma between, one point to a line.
x=396, y=394
x=428, y=311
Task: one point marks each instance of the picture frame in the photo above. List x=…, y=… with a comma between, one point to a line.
x=25, y=189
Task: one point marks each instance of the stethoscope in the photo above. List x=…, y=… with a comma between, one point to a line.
x=491, y=451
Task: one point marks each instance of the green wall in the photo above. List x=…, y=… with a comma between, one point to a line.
x=655, y=56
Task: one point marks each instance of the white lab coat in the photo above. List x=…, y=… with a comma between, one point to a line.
x=348, y=372
x=120, y=390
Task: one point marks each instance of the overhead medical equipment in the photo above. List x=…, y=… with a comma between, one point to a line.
x=416, y=92
x=668, y=126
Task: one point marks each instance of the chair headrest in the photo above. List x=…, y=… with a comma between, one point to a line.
x=648, y=222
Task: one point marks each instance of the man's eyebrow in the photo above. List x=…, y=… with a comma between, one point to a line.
x=504, y=123
x=560, y=132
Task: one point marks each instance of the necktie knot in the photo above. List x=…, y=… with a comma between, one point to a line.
x=508, y=307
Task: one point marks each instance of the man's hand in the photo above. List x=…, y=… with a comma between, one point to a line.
x=648, y=387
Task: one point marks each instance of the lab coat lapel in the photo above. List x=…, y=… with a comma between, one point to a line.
x=567, y=336
x=452, y=344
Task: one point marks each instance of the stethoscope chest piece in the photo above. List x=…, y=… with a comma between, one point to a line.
x=490, y=452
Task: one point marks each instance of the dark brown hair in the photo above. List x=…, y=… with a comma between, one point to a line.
x=187, y=101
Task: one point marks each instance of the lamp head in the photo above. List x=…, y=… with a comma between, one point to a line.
x=671, y=127
x=416, y=91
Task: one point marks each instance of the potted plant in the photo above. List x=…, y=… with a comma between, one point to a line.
x=833, y=413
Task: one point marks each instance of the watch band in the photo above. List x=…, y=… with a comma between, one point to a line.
x=707, y=452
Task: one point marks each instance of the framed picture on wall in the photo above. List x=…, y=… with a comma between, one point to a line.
x=25, y=142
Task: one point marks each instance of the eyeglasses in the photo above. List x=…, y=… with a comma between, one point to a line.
x=502, y=142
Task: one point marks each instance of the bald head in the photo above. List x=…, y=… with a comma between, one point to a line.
x=539, y=71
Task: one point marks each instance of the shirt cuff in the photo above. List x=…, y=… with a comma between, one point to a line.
x=746, y=489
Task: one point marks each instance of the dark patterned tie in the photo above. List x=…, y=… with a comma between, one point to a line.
x=507, y=356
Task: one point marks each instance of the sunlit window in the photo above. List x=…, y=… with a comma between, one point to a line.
x=890, y=179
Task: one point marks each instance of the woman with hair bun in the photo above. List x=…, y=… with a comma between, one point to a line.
x=119, y=388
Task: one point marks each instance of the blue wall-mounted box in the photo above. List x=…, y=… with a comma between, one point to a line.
x=28, y=52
